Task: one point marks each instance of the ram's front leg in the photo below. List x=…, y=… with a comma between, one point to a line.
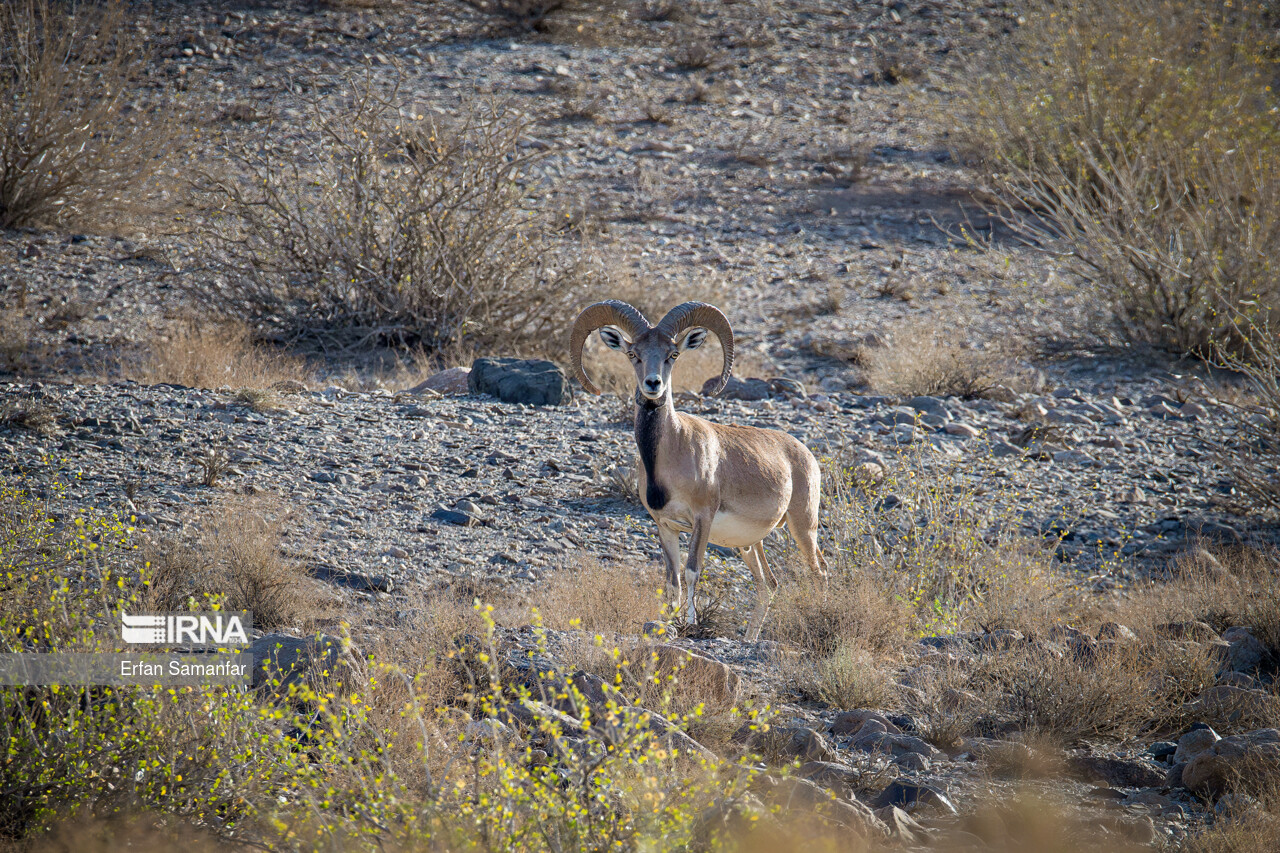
x=694, y=563
x=670, y=541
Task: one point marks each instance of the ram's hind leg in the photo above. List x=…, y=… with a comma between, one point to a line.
x=766, y=586
x=802, y=521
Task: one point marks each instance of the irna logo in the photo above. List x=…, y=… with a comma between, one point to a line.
x=215, y=628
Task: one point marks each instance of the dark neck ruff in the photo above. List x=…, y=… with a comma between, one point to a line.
x=650, y=425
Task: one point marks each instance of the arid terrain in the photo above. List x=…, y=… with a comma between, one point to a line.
x=1052, y=621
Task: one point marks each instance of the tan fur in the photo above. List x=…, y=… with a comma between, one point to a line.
x=734, y=485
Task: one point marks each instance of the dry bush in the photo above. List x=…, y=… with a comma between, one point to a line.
x=387, y=227
x=850, y=676
x=77, y=140
x=948, y=552
x=924, y=359
x=599, y=599
x=206, y=355
x=234, y=552
x=1155, y=179
x=1252, y=453
x=28, y=413
x=852, y=610
x=1234, y=587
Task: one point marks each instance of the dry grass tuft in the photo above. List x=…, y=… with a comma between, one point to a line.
x=204, y=355
x=599, y=599
x=233, y=551
x=924, y=359
x=853, y=611
x=850, y=676
x=73, y=147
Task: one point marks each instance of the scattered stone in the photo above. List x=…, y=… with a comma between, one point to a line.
x=1252, y=759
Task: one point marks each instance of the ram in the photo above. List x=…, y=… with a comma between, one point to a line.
x=728, y=485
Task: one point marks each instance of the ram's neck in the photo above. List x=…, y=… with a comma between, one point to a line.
x=655, y=421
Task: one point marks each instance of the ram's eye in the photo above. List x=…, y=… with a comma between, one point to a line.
x=631, y=355
x=673, y=356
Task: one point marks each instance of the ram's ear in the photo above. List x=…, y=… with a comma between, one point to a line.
x=694, y=338
x=614, y=338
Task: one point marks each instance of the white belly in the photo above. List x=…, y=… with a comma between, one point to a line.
x=736, y=531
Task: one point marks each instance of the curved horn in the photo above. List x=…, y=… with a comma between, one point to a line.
x=710, y=318
x=593, y=317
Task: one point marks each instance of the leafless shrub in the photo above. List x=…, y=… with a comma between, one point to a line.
x=391, y=228
x=1252, y=453
x=1155, y=181
x=211, y=355
x=76, y=142
x=695, y=55
x=924, y=359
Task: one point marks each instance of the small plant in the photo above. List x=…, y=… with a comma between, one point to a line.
x=924, y=359
x=213, y=462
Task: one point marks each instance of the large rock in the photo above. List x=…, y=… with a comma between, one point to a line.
x=913, y=798
x=1250, y=759
x=851, y=722
x=714, y=678
x=1119, y=772
x=1233, y=704
x=454, y=380
x=1246, y=652
x=517, y=380
x=754, y=388
x=290, y=659
x=1193, y=743
x=792, y=795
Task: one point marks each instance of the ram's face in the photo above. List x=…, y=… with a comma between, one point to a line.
x=652, y=355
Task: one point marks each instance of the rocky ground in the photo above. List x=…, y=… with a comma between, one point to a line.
x=792, y=163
